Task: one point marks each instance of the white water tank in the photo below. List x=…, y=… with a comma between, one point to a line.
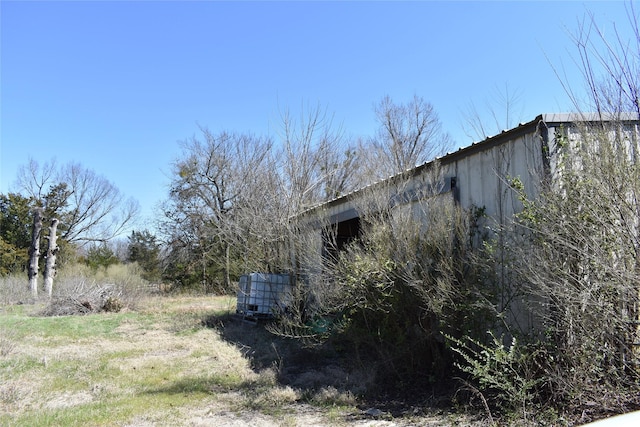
x=263, y=294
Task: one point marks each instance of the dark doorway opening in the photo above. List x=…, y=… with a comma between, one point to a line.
x=339, y=235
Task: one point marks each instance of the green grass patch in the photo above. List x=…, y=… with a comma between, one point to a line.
x=63, y=328
x=16, y=310
x=95, y=413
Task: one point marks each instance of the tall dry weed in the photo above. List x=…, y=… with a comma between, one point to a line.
x=13, y=289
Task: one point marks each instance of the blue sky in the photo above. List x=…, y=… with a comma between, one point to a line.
x=115, y=85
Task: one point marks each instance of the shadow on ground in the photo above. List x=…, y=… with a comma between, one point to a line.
x=296, y=365
x=317, y=369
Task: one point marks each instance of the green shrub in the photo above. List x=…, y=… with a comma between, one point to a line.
x=503, y=373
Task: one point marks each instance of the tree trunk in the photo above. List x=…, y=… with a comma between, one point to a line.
x=227, y=276
x=34, y=251
x=52, y=251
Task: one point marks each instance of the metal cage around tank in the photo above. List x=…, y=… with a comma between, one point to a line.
x=262, y=295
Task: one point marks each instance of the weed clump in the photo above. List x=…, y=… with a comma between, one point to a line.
x=113, y=305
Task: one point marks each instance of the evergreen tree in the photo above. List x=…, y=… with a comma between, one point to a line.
x=145, y=250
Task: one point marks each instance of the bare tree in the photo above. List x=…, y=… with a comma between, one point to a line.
x=408, y=134
x=50, y=259
x=98, y=211
x=609, y=61
x=214, y=177
x=502, y=109
x=34, y=251
x=317, y=163
x=233, y=195
x=88, y=207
